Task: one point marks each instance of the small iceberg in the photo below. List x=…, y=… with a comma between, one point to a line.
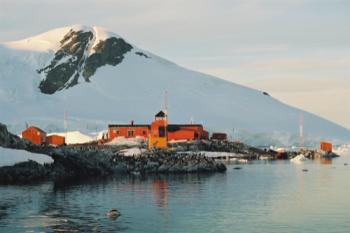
x=298, y=159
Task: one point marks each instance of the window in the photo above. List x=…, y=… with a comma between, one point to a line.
x=161, y=131
x=130, y=133
x=117, y=132
x=144, y=132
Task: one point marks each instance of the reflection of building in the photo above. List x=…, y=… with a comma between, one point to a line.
x=325, y=161
x=160, y=189
x=35, y=135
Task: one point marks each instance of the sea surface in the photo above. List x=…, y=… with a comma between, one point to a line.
x=261, y=197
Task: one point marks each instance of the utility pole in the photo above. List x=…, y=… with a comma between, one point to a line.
x=301, y=130
x=233, y=134
x=65, y=123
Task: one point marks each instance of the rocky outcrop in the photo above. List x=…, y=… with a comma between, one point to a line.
x=64, y=70
x=166, y=162
x=84, y=161
x=10, y=140
x=23, y=173
x=76, y=59
x=108, y=52
x=5, y=138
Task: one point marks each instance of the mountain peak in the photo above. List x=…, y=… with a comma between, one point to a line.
x=50, y=40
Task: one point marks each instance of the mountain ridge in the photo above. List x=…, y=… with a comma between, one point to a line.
x=132, y=88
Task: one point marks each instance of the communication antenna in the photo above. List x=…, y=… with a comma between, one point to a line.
x=166, y=104
x=65, y=123
x=301, y=130
x=166, y=113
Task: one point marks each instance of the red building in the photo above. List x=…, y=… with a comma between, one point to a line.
x=159, y=129
x=188, y=132
x=55, y=140
x=128, y=131
x=34, y=135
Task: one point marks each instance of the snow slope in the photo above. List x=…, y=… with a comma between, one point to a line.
x=74, y=137
x=134, y=89
x=9, y=157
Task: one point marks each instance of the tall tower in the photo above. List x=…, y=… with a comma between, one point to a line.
x=158, y=136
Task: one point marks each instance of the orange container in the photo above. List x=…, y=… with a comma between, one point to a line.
x=326, y=146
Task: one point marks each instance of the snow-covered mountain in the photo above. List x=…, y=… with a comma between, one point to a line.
x=97, y=77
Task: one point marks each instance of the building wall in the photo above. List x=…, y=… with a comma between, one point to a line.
x=188, y=132
x=127, y=132
x=182, y=135
x=35, y=136
x=158, y=134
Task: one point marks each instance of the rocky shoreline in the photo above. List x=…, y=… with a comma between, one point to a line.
x=83, y=162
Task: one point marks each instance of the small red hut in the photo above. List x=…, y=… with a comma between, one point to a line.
x=326, y=146
x=35, y=135
x=219, y=136
x=55, y=140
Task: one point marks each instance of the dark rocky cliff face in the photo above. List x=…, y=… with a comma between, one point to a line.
x=108, y=52
x=73, y=61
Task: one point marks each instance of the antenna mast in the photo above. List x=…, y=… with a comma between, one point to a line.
x=301, y=130
x=65, y=123
x=166, y=104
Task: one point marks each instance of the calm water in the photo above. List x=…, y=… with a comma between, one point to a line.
x=262, y=197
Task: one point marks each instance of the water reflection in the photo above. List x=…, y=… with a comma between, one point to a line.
x=261, y=197
x=161, y=192
x=326, y=161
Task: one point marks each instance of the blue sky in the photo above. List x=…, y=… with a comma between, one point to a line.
x=298, y=50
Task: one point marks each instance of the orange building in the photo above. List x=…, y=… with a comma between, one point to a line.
x=159, y=132
x=128, y=131
x=326, y=146
x=55, y=140
x=34, y=135
x=158, y=135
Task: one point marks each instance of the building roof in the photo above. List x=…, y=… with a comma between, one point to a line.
x=160, y=114
x=170, y=126
x=186, y=125
x=55, y=135
x=128, y=126
x=176, y=127
x=36, y=128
